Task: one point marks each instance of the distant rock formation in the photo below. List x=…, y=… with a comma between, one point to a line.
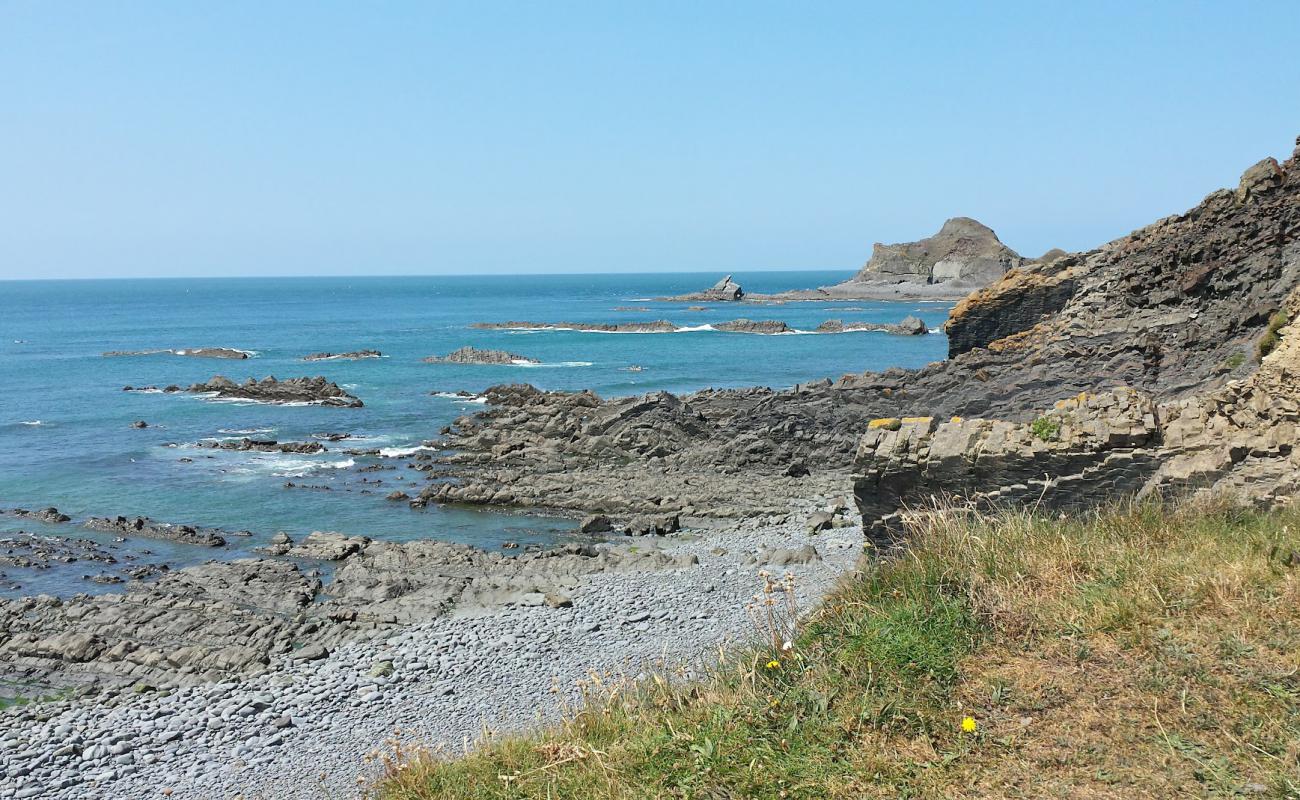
x=724, y=291
x=964, y=253
x=473, y=355
x=963, y=256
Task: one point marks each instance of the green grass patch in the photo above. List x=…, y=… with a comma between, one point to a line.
x=1271, y=335
x=1142, y=651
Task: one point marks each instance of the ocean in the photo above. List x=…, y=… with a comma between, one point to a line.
x=66, y=435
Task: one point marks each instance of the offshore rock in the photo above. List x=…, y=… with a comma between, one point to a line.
x=193, y=352
x=656, y=326
x=262, y=446
x=473, y=355
x=355, y=355
x=291, y=391
x=724, y=291
x=149, y=529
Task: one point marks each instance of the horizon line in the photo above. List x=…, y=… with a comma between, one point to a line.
x=420, y=275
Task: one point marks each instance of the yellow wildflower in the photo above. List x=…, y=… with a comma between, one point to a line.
x=968, y=724
x=774, y=664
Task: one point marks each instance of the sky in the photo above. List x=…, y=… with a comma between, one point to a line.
x=317, y=138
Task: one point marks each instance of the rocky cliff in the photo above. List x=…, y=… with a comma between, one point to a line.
x=1169, y=347
x=1171, y=311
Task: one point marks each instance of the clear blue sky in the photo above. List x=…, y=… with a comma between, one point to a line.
x=233, y=138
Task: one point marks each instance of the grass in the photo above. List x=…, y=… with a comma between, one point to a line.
x=1271, y=336
x=1046, y=428
x=1142, y=651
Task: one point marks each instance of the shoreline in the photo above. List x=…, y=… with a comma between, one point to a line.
x=269, y=734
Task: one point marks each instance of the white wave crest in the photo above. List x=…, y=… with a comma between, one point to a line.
x=31, y=422
x=245, y=431
x=531, y=365
x=399, y=452
x=461, y=398
x=297, y=468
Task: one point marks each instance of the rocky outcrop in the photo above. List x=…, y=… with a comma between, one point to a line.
x=355, y=355
x=473, y=355
x=910, y=326
x=1174, y=312
x=1023, y=297
x=262, y=446
x=50, y=515
x=193, y=352
x=763, y=326
x=1170, y=311
x=963, y=254
x=724, y=291
x=656, y=326
x=149, y=529
x=217, y=620
x=291, y=391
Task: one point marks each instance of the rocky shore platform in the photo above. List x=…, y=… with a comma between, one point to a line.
x=286, y=695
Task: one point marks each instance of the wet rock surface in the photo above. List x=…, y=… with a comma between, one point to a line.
x=309, y=391
x=473, y=355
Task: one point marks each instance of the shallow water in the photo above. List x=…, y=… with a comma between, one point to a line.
x=65, y=423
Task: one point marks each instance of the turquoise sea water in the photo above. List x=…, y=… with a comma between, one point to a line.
x=65, y=423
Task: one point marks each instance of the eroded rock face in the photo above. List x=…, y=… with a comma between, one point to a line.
x=313, y=391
